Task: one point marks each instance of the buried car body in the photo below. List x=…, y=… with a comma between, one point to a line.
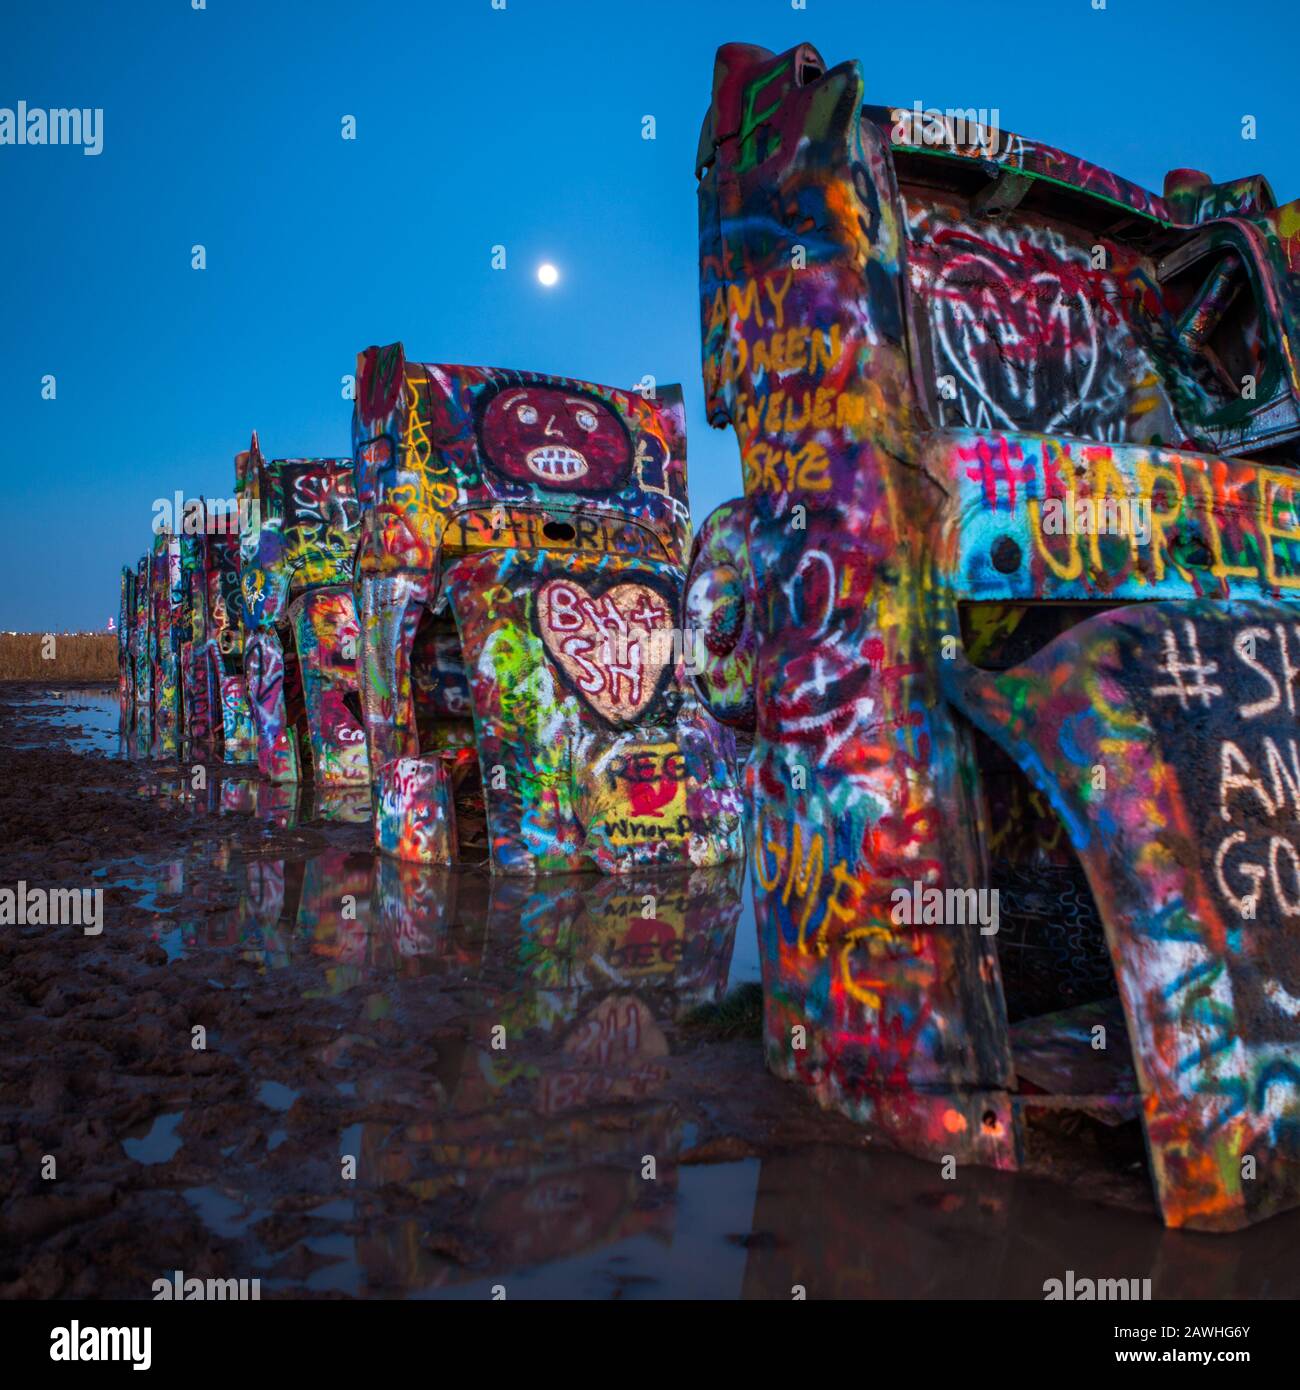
x=523, y=679
x=922, y=349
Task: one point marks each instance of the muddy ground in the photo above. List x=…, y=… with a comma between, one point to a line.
x=406, y=1083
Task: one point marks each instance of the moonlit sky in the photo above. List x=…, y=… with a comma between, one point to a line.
x=475, y=127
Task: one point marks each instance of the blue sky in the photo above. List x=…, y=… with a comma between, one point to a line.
x=475, y=127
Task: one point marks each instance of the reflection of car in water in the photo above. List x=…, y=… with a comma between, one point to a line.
x=1007, y=605
x=519, y=575
x=517, y=1148
x=564, y=988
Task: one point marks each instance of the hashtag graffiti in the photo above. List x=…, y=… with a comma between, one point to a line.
x=1198, y=668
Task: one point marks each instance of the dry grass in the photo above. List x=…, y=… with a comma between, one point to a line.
x=739, y=1015
x=78, y=656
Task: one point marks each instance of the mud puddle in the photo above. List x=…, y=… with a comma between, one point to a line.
x=287, y=1059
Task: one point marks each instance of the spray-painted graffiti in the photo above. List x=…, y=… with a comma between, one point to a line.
x=1026, y=333
x=1180, y=522
x=141, y=721
x=605, y=643
x=181, y=676
x=903, y=352
x=519, y=587
x=220, y=718
x=164, y=650
x=126, y=658
x=592, y=745
x=296, y=552
x=1188, y=838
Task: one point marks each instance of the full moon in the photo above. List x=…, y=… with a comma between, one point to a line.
x=547, y=274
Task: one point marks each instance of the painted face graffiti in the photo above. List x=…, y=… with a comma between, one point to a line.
x=568, y=441
x=606, y=645
x=819, y=598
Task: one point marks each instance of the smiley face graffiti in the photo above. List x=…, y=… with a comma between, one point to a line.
x=562, y=440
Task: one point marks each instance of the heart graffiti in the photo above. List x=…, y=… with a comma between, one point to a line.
x=612, y=647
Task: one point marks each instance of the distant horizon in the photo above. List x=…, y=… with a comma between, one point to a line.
x=227, y=129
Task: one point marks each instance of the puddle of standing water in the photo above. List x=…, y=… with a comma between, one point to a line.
x=157, y=1142
x=89, y=714
x=498, y=1134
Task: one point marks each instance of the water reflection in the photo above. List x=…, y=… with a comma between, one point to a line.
x=992, y=1235
x=531, y=1110
x=89, y=714
x=564, y=990
x=667, y=933
x=671, y=930
x=520, y=1154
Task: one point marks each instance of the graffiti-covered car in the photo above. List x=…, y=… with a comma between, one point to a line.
x=164, y=631
x=523, y=545
x=139, y=717
x=126, y=640
x=1009, y=607
x=298, y=533
x=217, y=713
x=180, y=644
